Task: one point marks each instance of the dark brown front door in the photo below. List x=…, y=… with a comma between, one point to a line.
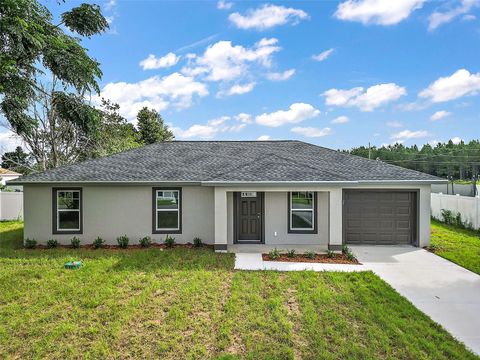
x=249, y=216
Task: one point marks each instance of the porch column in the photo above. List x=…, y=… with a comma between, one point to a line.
x=220, y=208
x=335, y=219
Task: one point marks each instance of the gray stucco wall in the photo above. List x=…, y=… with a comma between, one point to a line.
x=111, y=211
x=276, y=212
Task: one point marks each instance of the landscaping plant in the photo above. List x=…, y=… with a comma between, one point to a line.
x=145, y=241
x=169, y=241
x=274, y=254
x=123, y=241
x=30, y=243
x=330, y=254
x=52, y=243
x=197, y=242
x=291, y=253
x=98, y=242
x=75, y=242
x=310, y=255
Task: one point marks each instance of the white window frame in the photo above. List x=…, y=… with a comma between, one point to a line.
x=157, y=210
x=69, y=210
x=312, y=210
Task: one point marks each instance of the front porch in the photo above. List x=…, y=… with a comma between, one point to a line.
x=272, y=219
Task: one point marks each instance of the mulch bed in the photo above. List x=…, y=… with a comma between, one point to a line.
x=319, y=258
x=130, y=247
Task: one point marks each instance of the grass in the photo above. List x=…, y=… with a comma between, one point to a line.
x=457, y=245
x=191, y=304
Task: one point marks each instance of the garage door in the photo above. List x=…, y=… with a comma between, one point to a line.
x=379, y=217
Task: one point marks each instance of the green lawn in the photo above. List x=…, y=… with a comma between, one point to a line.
x=179, y=303
x=457, y=245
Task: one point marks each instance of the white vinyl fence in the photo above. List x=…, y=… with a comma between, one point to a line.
x=468, y=207
x=11, y=205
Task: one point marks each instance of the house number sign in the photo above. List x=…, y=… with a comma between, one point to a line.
x=245, y=194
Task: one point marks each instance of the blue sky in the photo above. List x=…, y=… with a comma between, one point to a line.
x=338, y=74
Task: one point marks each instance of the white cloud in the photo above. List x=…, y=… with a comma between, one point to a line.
x=212, y=128
x=439, y=115
x=340, y=120
x=456, y=140
x=442, y=17
x=434, y=142
x=157, y=92
x=323, y=55
x=379, y=12
x=407, y=134
x=311, y=131
x=224, y=62
x=295, y=114
x=394, y=124
x=9, y=141
x=152, y=62
x=267, y=16
x=109, y=5
x=244, y=118
x=366, y=100
x=237, y=89
x=468, y=17
x=281, y=76
x=224, y=5
x=459, y=84
x=263, y=138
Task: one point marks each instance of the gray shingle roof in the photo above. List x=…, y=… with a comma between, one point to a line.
x=229, y=161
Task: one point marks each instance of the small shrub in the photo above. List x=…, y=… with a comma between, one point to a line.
x=330, y=254
x=291, y=253
x=98, y=243
x=52, y=243
x=345, y=249
x=30, y=243
x=75, y=242
x=169, y=241
x=274, y=254
x=350, y=256
x=310, y=254
x=197, y=242
x=145, y=241
x=123, y=241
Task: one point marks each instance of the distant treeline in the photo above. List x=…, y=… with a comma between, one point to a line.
x=459, y=161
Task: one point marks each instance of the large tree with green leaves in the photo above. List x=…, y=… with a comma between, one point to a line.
x=17, y=160
x=151, y=127
x=45, y=76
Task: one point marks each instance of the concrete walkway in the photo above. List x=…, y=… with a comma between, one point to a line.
x=447, y=293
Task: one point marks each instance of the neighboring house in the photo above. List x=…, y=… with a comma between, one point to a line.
x=232, y=194
x=7, y=175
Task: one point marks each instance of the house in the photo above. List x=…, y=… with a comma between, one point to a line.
x=7, y=175
x=235, y=195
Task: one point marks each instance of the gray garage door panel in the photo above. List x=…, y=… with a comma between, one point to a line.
x=379, y=217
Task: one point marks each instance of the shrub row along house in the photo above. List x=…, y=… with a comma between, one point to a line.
x=235, y=195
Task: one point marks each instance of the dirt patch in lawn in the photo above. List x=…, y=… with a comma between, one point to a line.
x=319, y=258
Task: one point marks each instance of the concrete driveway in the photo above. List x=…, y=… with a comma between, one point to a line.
x=446, y=292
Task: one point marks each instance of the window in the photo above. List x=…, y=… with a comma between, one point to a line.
x=67, y=211
x=167, y=217
x=301, y=212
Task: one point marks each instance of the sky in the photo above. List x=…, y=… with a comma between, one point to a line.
x=338, y=74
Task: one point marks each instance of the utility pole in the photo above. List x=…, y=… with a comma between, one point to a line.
x=369, y=151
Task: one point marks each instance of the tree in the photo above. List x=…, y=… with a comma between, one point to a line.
x=52, y=119
x=18, y=161
x=117, y=134
x=152, y=128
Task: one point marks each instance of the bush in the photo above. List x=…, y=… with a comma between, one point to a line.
x=52, y=243
x=145, y=241
x=330, y=254
x=123, y=241
x=291, y=253
x=310, y=254
x=98, y=243
x=75, y=242
x=345, y=249
x=197, y=242
x=169, y=241
x=30, y=243
x=350, y=256
x=274, y=254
